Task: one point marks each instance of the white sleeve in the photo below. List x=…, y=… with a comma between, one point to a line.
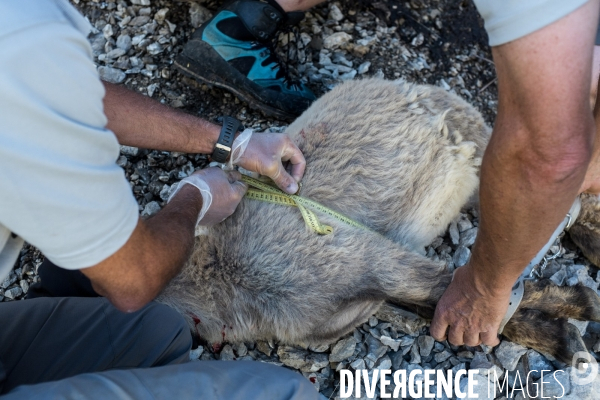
x=508, y=20
x=60, y=188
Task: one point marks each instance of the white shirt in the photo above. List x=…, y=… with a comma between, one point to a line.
x=60, y=188
x=508, y=20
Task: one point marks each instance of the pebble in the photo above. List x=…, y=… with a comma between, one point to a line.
x=139, y=20
x=415, y=357
x=301, y=359
x=264, y=347
x=580, y=325
x=151, y=208
x=348, y=75
x=196, y=353
x=124, y=42
x=115, y=53
x=464, y=224
x=343, y=349
x=538, y=363
x=24, y=285
x=240, y=349
x=322, y=348
x=111, y=75
x=155, y=48
x=227, y=353
x=9, y=280
x=107, y=31
x=509, y=354
x=453, y=232
x=461, y=256
x=376, y=349
x=467, y=238
x=13, y=293
x=161, y=15
x=358, y=364
x=336, y=40
x=129, y=151
x=364, y=67
x=199, y=14
x=442, y=356
x=425, y=345
x=391, y=343
x=335, y=13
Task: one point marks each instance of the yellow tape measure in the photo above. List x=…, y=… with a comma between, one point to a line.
x=267, y=193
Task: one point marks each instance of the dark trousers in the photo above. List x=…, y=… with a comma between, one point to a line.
x=51, y=338
x=64, y=328
x=60, y=282
x=63, y=347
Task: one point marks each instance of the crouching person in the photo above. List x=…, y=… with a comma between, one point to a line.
x=60, y=129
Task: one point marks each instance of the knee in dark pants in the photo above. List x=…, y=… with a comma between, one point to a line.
x=172, y=330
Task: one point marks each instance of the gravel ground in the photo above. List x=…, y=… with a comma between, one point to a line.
x=440, y=42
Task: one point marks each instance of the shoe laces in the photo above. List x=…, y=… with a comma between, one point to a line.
x=274, y=59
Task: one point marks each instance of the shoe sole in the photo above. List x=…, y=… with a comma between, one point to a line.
x=186, y=66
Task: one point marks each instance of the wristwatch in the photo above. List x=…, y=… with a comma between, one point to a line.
x=222, y=149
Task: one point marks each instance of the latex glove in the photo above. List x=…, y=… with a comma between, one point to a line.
x=221, y=193
x=265, y=153
x=469, y=312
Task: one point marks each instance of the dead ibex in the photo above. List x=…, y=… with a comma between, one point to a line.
x=399, y=158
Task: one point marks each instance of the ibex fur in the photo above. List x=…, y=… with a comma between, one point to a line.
x=402, y=159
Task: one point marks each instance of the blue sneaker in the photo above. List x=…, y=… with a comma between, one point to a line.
x=234, y=51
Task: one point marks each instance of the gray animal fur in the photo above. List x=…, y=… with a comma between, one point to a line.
x=398, y=157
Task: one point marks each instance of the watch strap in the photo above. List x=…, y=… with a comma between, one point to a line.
x=222, y=149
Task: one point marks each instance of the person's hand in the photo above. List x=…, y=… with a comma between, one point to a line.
x=265, y=154
x=221, y=193
x=467, y=313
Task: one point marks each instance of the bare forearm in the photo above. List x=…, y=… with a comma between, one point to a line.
x=521, y=205
x=171, y=236
x=140, y=121
x=539, y=152
x=156, y=251
x=531, y=171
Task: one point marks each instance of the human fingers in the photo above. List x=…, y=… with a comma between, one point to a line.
x=489, y=338
x=471, y=337
x=456, y=335
x=240, y=189
x=293, y=154
x=283, y=180
x=233, y=176
x=439, y=328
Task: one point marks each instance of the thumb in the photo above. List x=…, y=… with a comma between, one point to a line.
x=235, y=179
x=240, y=188
x=284, y=180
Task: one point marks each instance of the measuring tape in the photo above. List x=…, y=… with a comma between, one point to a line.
x=264, y=192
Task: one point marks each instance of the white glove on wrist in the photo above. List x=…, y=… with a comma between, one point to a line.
x=239, y=147
x=204, y=189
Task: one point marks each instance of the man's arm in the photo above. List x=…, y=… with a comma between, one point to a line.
x=160, y=245
x=139, y=121
x=531, y=171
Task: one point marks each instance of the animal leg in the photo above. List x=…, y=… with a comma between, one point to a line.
x=541, y=323
x=585, y=233
x=533, y=328
x=577, y=302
